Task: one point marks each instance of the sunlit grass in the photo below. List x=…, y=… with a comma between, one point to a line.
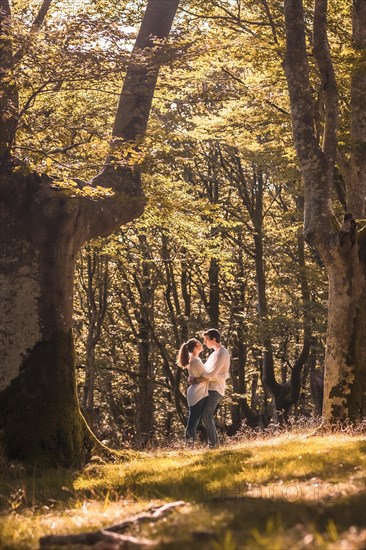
x=24, y=528
x=246, y=495
x=187, y=474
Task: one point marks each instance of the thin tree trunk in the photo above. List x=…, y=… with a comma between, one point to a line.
x=214, y=300
x=240, y=410
x=144, y=401
x=96, y=291
x=186, y=295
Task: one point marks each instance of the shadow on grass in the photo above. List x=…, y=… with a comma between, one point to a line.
x=21, y=489
x=189, y=482
x=234, y=471
x=277, y=523
x=218, y=474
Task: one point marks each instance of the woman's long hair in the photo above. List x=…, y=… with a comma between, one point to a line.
x=185, y=350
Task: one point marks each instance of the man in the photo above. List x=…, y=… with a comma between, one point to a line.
x=217, y=367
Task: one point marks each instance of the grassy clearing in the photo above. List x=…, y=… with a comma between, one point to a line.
x=292, y=491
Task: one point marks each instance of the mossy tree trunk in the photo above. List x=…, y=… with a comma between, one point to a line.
x=341, y=246
x=42, y=229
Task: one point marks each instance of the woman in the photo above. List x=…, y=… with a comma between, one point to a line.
x=196, y=393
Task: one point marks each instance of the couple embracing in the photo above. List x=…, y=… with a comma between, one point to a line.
x=208, y=382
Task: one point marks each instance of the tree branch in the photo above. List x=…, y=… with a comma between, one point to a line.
x=270, y=19
x=31, y=98
x=111, y=534
x=252, y=96
x=122, y=172
x=41, y=15
x=297, y=73
x=138, y=89
x=328, y=82
x=37, y=23
x=356, y=188
x=312, y=160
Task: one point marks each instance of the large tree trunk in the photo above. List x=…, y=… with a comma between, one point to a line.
x=341, y=248
x=345, y=370
x=42, y=229
x=39, y=410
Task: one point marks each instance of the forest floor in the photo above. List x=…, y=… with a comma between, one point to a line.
x=293, y=491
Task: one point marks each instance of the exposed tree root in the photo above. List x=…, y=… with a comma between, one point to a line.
x=94, y=446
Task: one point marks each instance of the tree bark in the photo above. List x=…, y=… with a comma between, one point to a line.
x=42, y=229
x=186, y=295
x=144, y=400
x=96, y=291
x=316, y=384
x=214, y=300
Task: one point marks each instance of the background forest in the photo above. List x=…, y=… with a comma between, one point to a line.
x=221, y=241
